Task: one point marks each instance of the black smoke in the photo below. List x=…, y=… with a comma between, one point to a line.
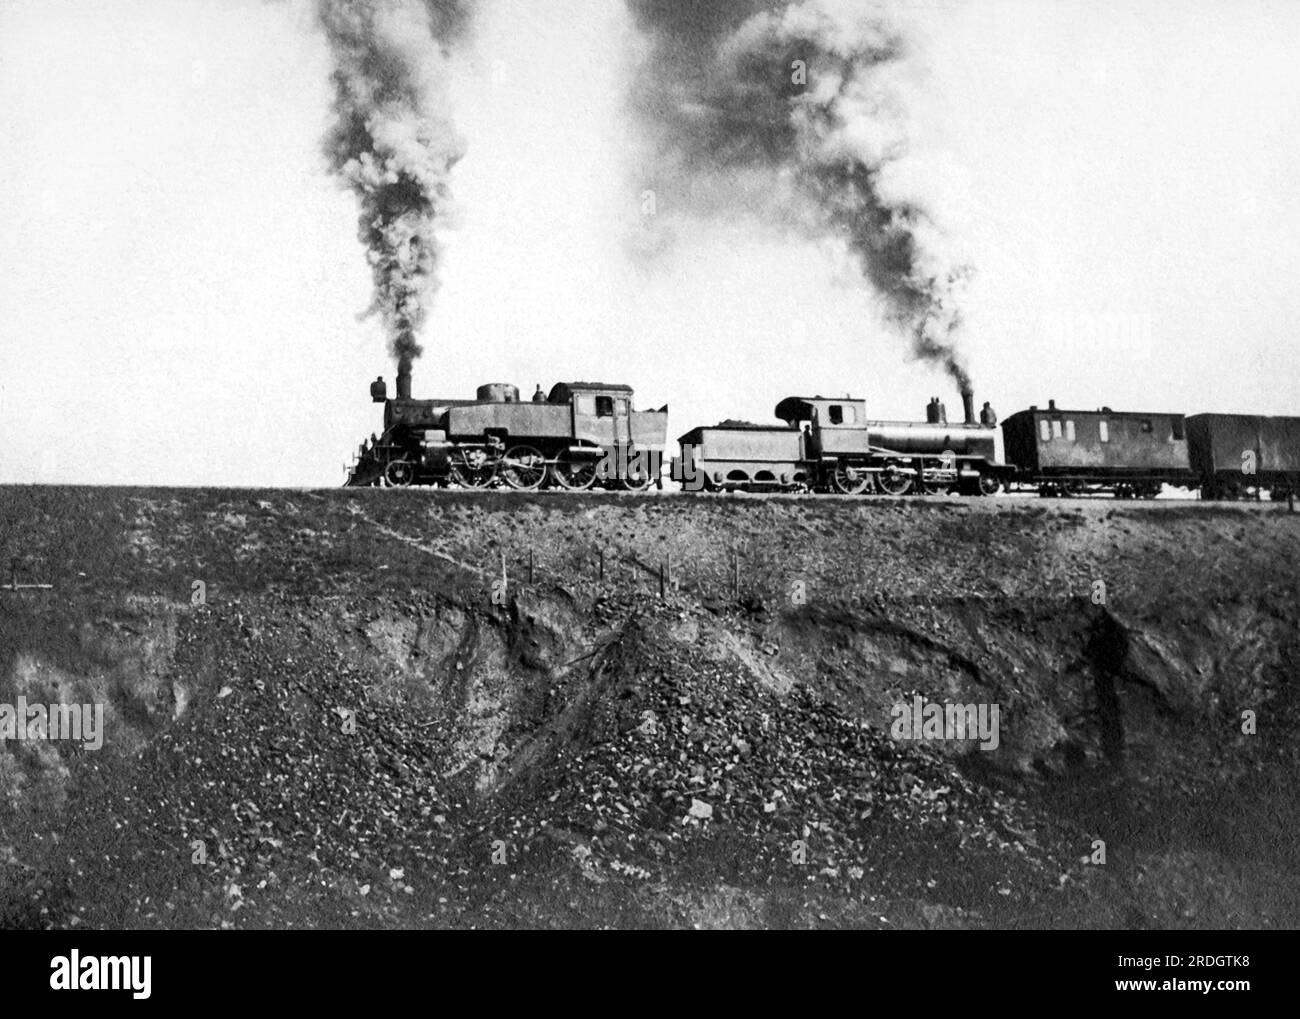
x=793, y=107
x=393, y=143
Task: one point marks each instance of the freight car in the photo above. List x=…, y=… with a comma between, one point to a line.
x=1234, y=453
x=582, y=434
x=829, y=444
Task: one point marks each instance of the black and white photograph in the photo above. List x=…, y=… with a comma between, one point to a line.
x=650, y=465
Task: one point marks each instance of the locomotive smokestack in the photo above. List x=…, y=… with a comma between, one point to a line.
x=968, y=404
x=404, y=381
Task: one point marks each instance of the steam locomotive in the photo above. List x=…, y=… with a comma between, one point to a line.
x=586, y=435
x=581, y=435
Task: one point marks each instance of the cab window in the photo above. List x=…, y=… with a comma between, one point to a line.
x=836, y=414
x=604, y=406
x=585, y=404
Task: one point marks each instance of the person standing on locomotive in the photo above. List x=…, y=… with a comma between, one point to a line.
x=987, y=417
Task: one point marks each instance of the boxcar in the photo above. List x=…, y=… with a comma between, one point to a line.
x=1234, y=453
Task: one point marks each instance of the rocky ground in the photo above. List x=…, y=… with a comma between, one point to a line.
x=405, y=708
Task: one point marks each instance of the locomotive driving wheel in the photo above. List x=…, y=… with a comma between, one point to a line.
x=634, y=480
x=400, y=473
x=895, y=479
x=574, y=473
x=472, y=468
x=989, y=484
x=850, y=479
x=524, y=468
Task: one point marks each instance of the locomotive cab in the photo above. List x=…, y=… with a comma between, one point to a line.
x=831, y=427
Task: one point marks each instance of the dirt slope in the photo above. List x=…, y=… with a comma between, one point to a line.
x=358, y=724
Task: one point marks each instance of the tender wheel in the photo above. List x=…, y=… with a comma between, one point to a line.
x=895, y=480
x=472, y=468
x=575, y=473
x=989, y=485
x=400, y=473
x=850, y=479
x=524, y=468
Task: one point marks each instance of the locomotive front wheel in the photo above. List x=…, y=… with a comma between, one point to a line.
x=573, y=473
x=400, y=473
x=524, y=468
x=850, y=479
x=894, y=480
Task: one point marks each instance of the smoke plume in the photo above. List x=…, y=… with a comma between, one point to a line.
x=795, y=109
x=394, y=146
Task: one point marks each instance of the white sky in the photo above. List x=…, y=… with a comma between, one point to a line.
x=180, y=279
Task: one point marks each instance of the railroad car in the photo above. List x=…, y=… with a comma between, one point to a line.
x=1234, y=453
x=1075, y=452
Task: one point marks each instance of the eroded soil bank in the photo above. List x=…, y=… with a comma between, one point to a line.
x=327, y=709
